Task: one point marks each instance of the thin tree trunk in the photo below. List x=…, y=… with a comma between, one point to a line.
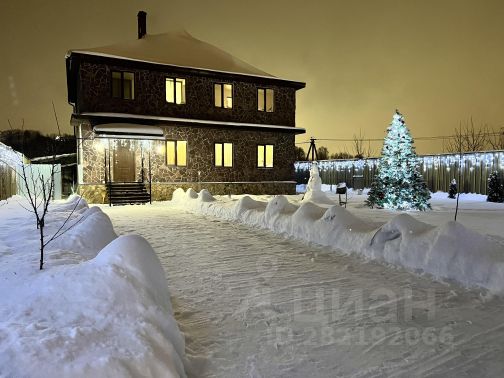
x=41, y=229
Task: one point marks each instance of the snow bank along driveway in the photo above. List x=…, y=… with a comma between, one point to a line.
x=254, y=304
x=450, y=251
x=100, y=307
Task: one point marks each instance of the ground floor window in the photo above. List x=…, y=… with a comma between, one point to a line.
x=176, y=152
x=223, y=154
x=265, y=156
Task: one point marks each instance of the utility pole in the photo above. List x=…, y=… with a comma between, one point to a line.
x=313, y=150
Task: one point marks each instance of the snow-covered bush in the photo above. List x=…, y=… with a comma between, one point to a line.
x=495, y=188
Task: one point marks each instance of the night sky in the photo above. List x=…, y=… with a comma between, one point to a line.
x=439, y=62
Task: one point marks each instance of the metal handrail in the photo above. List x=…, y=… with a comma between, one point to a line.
x=150, y=180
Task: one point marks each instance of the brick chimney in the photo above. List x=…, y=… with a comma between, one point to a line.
x=142, y=24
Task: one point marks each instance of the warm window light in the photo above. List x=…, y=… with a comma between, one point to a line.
x=176, y=152
x=260, y=156
x=265, y=100
x=228, y=154
x=270, y=99
x=218, y=154
x=181, y=153
x=223, y=94
x=265, y=156
x=223, y=154
x=228, y=95
x=260, y=100
x=175, y=91
x=170, y=153
x=269, y=155
x=218, y=95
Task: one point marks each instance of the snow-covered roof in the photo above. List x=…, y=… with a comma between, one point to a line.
x=176, y=49
x=128, y=128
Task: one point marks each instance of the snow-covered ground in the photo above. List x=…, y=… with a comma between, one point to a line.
x=474, y=212
x=255, y=304
x=100, y=307
x=449, y=251
x=250, y=302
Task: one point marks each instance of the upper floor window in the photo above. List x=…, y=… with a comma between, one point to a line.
x=265, y=156
x=223, y=94
x=175, y=90
x=223, y=154
x=265, y=99
x=176, y=152
x=123, y=85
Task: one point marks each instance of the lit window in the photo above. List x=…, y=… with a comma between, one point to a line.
x=223, y=154
x=265, y=155
x=176, y=152
x=265, y=100
x=123, y=85
x=223, y=94
x=175, y=90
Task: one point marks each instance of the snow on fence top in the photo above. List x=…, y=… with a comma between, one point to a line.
x=488, y=158
x=10, y=157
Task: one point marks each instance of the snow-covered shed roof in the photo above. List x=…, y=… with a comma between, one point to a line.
x=128, y=128
x=177, y=49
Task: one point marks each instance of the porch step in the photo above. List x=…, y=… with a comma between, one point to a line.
x=127, y=193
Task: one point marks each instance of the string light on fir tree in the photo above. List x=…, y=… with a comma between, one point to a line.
x=398, y=184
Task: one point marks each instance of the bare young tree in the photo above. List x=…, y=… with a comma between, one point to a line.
x=358, y=145
x=361, y=150
x=459, y=178
x=496, y=138
x=38, y=189
x=469, y=138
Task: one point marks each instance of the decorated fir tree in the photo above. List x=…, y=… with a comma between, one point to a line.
x=495, y=188
x=452, y=191
x=398, y=184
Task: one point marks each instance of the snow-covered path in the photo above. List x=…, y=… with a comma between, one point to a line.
x=253, y=304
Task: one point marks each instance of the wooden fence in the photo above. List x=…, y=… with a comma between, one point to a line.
x=471, y=170
x=7, y=182
x=8, y=160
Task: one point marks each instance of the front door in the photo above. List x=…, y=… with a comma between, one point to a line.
x=124, y=163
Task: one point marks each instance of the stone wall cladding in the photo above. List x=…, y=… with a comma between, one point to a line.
x=93, y=193
x=200, y=156
x=93, y=159
x=150, y=98
x=164, y=192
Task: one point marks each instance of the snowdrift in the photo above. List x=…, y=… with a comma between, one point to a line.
x=448, y=252
x=101, y=306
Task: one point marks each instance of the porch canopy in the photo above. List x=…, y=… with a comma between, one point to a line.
x=128, y=131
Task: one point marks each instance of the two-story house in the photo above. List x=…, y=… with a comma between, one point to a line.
x=168, y=110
